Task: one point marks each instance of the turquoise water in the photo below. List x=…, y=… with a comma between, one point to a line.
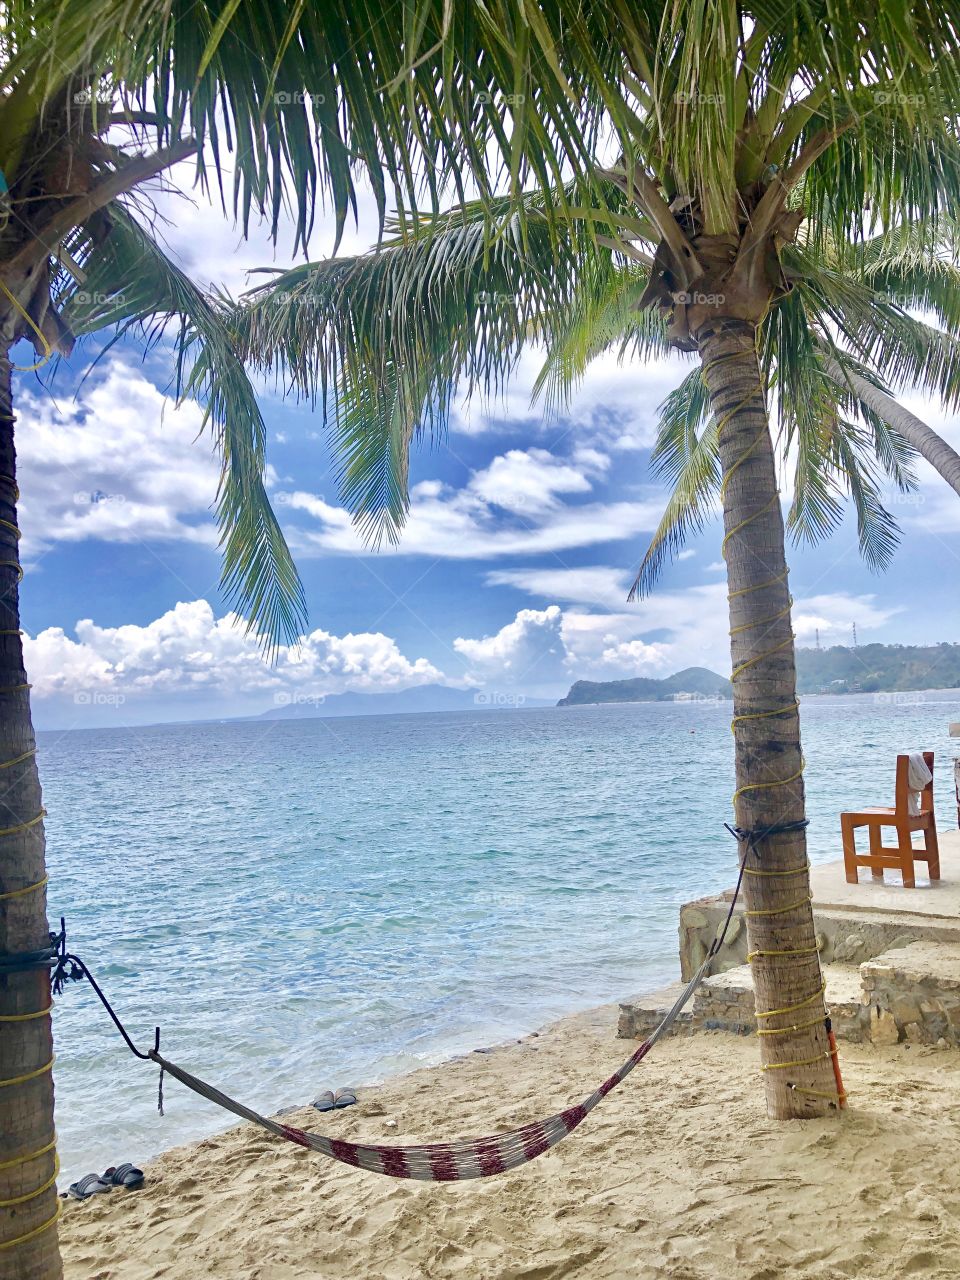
x=315, y=903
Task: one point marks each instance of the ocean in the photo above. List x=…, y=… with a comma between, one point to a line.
x=309, y=904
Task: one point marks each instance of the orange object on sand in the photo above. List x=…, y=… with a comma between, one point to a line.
x=835, y=1058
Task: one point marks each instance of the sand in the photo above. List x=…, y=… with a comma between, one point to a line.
x=677, y=1174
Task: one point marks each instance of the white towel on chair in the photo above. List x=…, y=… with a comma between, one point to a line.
x=918, y=777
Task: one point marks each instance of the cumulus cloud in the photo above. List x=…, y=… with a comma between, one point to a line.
x=190, y=654
x=190, y=663
x=530, y=649
x=124, y=463
x=603, y=638
x=121, y=463
x=637, y=657
x=527, y=480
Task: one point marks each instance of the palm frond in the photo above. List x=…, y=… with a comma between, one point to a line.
x=128, y=282
x=834, y=456
x=877, y=530
x=874, y=324
x=305, y=99
x=687, y=453
x=602, y=314
x=382, y=341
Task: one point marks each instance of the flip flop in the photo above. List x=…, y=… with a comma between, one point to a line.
x=89, y=1185
x=124, y=1175
x=344, y=1098
x=325, y=1102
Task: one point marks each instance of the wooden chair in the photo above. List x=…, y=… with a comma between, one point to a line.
x=904, y=822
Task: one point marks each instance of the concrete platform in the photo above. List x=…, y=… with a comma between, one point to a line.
x=854, y=921
x=937, y=898
x=890, y=955
x=930, y=898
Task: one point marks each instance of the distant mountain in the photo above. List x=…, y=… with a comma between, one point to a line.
x=871, y=668
x=424, y=697
x=693, y=682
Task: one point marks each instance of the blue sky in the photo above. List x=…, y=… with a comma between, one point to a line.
x=512, y=574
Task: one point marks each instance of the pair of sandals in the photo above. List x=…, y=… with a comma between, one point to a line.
x=331, y=1101
x=94, y=1184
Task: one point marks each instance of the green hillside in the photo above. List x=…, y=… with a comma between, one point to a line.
x=696, y=681
x=870, y=668
x=878, y=667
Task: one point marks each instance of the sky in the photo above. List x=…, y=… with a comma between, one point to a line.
x=524, y=534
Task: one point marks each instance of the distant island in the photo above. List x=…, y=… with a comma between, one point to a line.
x=870, y=668
x=694, y=682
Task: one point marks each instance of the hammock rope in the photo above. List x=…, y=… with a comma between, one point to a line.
x=434, y=1162
x=448, y=1161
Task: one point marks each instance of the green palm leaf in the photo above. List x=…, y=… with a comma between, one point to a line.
x=159, y=300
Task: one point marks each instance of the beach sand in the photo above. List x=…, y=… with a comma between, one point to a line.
x=677, y=1174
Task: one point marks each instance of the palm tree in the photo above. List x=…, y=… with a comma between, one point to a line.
x=95, y=102
x=123, y=280
x=686, y=133
x=767, y=190
x=839, y=427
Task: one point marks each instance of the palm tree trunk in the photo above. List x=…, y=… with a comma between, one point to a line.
x=794, y=1049
x=914, y=430
x=27, y=1155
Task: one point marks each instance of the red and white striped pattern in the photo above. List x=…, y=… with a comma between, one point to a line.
x=442, y=1161
x=452, y=1161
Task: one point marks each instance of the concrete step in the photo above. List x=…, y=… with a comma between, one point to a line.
x=845, y=937
x=912, y=993
x=641, y=1015
x=909, y=993
x=854, y=922
x=724, y=1002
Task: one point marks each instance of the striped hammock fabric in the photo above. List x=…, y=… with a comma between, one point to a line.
x=447, y=1161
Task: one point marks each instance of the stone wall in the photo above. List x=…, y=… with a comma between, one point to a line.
x=913, y=994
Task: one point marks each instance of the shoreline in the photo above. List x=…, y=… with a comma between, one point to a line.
x=362, y=1082
x=678, y=1173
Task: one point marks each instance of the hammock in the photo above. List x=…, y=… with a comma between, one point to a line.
x=436, y=1162
x=447, y=1161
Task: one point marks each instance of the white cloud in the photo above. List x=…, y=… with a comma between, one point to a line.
x=189, y=653
x=638, y=658
x=527, y=481
x=835, y=613
x=190, y=663
x=209, y=246
x=603, y=638
x=933, y=508
x=594, y=585
x=528, y=649
x=510, y=507
x=121, y=463
x=615, y=403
